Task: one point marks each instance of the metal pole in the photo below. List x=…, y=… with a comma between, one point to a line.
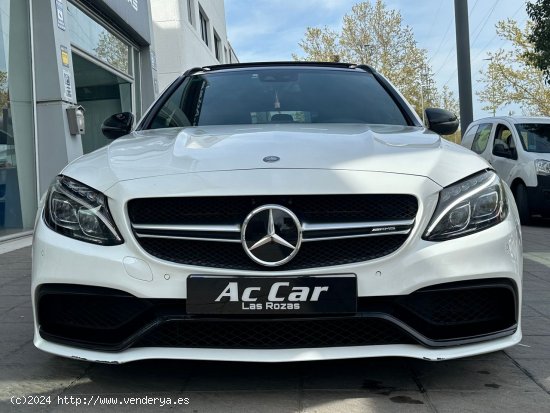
x=463, y=63
x=493, y=93
x=422, y=98
x=422, y=73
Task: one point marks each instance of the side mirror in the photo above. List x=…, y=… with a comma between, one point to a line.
x=500, y=150
x=441, y=121
x=117, y=125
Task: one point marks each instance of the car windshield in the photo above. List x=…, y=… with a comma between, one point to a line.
x=535, y=137
x=278, y=95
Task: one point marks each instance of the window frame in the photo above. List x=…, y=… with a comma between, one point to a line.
x=204, y=27
x=217, y=47
x=525, y=145
x=477, y=135
x=146, y=121
x=191, y=12
x=498, y=130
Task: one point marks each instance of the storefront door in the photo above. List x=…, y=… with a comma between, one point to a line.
x=105, y=67
x=102, y=93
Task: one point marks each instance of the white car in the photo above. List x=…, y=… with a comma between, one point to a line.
x=519, y=150
x=277, y=212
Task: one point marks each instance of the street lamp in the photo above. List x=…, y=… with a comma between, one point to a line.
x=423, y=75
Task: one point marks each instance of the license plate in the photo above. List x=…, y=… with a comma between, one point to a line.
x=318, y=294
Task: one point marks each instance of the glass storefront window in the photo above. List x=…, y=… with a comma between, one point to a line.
x=105, y=68
x=90, y=36
x=17, y=157
x=102, y=93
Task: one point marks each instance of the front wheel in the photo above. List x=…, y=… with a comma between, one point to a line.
x=520, y=194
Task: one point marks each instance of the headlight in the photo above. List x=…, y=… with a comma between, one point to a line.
x=468, y=206
x=542, y=167
x=78, y=211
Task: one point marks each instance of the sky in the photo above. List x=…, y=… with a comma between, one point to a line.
x=268, y=30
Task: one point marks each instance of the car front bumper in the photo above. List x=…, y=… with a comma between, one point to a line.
x=281, y=355
x=492, y=255
x=539, y=196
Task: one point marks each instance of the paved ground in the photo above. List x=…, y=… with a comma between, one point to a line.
x=515, y=380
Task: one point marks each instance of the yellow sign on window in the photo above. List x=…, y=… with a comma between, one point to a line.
x=64, y=56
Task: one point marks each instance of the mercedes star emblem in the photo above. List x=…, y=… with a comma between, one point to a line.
x=271, y=235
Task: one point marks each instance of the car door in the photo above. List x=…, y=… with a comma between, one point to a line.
x=504, y=153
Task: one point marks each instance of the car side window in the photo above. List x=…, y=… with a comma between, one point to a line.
x=481, y=139
x=468, y=137
x=504, y=145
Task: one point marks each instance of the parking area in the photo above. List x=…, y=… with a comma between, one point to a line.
x=517, y=379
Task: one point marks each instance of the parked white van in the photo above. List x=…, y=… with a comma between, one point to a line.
x=519, y=150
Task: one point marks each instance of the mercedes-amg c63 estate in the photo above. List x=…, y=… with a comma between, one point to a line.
x=277, y=212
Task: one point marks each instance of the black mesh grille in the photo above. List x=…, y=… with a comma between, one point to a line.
x=459, y=306
x=311, y=255
x=85, y=310
x=272, y=334
x=82, y=313
x=309, y=208
x=233, y=210
x=111, y=320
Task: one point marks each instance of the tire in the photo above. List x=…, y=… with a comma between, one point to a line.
x=520, y=194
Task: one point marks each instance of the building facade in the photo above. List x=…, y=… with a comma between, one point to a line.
x=57, y=55
x=189, y=33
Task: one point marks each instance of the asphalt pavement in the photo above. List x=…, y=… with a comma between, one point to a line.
x=514, y=380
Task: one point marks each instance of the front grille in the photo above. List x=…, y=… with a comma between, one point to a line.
x=273, y=334
x=308, y=208
x=170, y=239
x=311, y=255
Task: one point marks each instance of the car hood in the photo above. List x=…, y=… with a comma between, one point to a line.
x=375, y=148
x=537, y=155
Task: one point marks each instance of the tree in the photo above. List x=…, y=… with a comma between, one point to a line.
x=375, y=35
x=511, y=77
x=539, y=36
x=320, y=45
x=4, y=92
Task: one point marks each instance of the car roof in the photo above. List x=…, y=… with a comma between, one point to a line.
x=515, y=119
x=268, y=65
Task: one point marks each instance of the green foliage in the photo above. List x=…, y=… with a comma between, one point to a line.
x=375, y=35
x=4, y=93
x=510, y=76
x=539, y=56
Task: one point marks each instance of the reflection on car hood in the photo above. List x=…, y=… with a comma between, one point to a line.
x=382, y=148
